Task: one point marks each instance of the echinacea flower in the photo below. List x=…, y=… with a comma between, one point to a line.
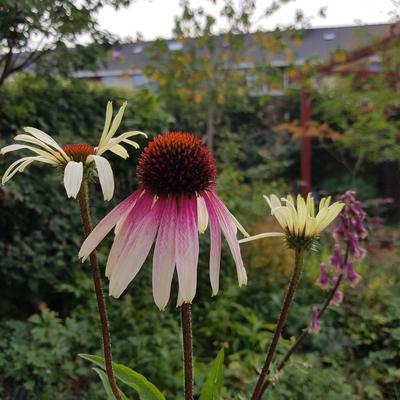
x=299, y=221
x=176, y=199
x=73, y=158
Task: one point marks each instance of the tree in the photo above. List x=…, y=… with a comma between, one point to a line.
x=31, y=29
x=211, y=68
x=364, y=108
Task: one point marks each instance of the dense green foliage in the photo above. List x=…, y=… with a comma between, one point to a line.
x=47, y=308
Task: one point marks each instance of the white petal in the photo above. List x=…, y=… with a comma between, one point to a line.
x=117, y=140
x=302, y=213
x=132, y=143
x=273, y=202
x=236, y=222
x=42, y=153
x=119, y=151
x=107, y=123
x=106, y=177
x=45, y=138
x=50, y=150
x=202, y=215
x=261, y=236
x=283, y=216
x=73, y=174
x=310, y=205
x=17, y=166
x=332, y=212
x=115, y=124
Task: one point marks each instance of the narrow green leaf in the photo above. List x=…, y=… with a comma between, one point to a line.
x=211, y=389
x=144, y=388
x=106, y=384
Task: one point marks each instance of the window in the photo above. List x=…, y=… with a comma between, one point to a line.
x=137, y=49
x=116, y=55
x=138, y=80
x=109, y=80
x=375, y=66
x=174, y=46
x=329, y=36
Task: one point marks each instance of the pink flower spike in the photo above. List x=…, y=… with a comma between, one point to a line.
x=351, y=275
x=323, y=281
x=315, y=324
x=187, y=247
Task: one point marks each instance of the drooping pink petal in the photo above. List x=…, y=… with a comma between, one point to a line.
x=126, y=228
x=164, y=255
x=228, y=226
x=106, y=224
x=187, y=247
x=215, y=248
x=135, y=250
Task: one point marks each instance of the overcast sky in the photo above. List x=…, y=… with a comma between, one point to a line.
x=155, y=18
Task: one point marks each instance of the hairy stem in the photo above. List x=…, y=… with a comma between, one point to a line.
x=294, y=280
x=305, y=332
x=187, y=350
x=83, y=198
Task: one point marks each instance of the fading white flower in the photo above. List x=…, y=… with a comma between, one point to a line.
x=300, y=223
x=74, y=157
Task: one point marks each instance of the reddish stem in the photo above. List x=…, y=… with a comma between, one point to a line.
x=83, y=199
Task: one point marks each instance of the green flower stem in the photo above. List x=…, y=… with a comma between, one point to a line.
x=187, y=350
x=294, y=280
x=83, y=199
x=305, y=332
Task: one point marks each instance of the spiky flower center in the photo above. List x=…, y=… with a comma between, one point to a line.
x=176, y=163
x=79, y=152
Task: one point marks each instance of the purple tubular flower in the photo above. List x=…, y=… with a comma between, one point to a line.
x=351, y=275
x=336, y=258
x=323, y=280
x=352, y=218
x=315, y=324
x=337, y=298
x=338, y=295
x=355, y=250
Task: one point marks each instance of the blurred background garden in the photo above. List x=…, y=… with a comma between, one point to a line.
x=284, y=106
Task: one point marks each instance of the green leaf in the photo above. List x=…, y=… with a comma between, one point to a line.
x=106, y=384
x=211, y=389
x=144, y=388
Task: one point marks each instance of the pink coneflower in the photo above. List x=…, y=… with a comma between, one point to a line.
x=176, y=199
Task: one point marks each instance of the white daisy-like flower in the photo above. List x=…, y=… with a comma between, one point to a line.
x=298, y=220
x=73, y=158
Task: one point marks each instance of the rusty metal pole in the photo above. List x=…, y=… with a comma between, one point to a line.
x=305, y=143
